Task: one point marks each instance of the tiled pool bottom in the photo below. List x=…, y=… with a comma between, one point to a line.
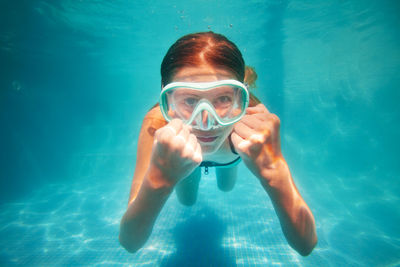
x=77, y=224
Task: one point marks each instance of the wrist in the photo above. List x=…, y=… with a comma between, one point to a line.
x=157, y=181
x=277, y=176
x=280, y=187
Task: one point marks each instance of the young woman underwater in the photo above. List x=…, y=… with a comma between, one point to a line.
x=207, y=117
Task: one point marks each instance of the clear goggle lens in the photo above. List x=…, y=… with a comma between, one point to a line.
x=205, y=105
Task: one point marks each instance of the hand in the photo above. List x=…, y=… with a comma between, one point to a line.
x=176, y=153
x=256, y=139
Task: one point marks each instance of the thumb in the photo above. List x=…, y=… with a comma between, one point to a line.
x=241, y=145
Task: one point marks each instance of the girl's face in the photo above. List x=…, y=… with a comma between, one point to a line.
x=212, y=140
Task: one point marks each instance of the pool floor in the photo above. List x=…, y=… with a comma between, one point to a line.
x=78, y=224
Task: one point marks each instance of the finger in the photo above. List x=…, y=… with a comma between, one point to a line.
x=241, y=145
x=257, y=109
x=236, y=140
x=190, y=146
x=275, y=129
x=192, y=141
x=166, y=133
x=263, y=116
x=262, y=121
x=198, y=157
x=176, y=124
x=184, y=133
x=270, y=127
x=243, y=130
x=178, y=142
x=160, y=146
x=168, y=130
x=251, y=137
x=274, y=119
x=252, y=121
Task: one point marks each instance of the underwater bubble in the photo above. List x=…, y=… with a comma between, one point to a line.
x=16, y=85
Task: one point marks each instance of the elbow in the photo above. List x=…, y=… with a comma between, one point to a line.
x=127, y=240
x=305, y=251
x=307, y=248
x=307, y=239
x=128, y=246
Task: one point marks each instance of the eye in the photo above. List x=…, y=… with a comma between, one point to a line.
x=191, y=101
x=224, y=99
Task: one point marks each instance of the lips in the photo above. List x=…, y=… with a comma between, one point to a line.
x=206, y=139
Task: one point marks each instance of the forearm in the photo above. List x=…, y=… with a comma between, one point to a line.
x=138, y=221
x=295, y=217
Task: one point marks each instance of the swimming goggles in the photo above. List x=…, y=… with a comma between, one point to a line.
x=205, y=105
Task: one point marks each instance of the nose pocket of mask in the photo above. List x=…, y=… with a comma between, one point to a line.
x=203, y=116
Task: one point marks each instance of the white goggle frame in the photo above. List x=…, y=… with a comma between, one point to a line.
x=205, y=104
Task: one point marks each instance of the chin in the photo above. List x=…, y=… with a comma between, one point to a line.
x=208, y=150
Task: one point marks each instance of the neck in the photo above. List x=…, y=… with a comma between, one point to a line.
x=222, y=155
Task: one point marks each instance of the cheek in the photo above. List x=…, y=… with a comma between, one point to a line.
x=226, y=131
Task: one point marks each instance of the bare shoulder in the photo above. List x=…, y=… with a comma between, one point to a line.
x=155, y=112
x=154, y=120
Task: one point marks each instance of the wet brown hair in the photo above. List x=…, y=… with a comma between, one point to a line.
x=207, y=48
x=203, y=48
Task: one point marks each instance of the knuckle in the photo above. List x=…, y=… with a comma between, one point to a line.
x=275, y=119
x=178, y=142
x=266, y=132
x=161, y=139
x=197, y=159
x=187, y=151
x=177, y=122
x=237, y=126
x=246, y=117
x=258, y=139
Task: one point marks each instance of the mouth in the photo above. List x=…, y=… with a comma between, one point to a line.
x=207, y=139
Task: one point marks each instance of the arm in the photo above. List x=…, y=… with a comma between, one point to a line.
x=257, y=140
x=138, y=221
x=141, y=214
x=296, y=219
x=162, y=161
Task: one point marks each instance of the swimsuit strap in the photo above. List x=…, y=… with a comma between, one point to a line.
x=207, y=164
x=215, y=164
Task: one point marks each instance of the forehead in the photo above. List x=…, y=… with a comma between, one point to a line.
x=202, y=74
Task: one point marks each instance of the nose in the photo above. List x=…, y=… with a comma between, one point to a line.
x=204, y=119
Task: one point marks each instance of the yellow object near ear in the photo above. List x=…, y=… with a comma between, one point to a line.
x=250, y=77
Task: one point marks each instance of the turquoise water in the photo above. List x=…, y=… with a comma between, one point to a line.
x=77, y=77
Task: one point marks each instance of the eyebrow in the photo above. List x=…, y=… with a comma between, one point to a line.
x=198, y=76
x=191, y=77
